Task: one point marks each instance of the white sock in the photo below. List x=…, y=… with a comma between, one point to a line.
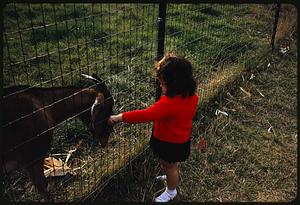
x=172, y=192
x=167, y=195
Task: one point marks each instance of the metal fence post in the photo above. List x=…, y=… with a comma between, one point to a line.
x=161, y=23
x=275, y=26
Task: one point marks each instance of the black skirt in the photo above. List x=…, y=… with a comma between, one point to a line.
x=170, y=152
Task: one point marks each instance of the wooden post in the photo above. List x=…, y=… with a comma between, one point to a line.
x=275, y=26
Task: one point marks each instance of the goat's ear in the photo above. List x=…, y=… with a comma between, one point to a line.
x=96, y=77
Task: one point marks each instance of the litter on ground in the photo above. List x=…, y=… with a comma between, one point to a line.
x=244, y=91
x=270, y=129
x=221, y=112
x=260, y=93
x=56, y=167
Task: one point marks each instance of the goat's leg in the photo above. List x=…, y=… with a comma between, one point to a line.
x=104, y=139
x=36, y=173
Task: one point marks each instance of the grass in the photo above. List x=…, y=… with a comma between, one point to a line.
x=119, y=43
x=80, y=35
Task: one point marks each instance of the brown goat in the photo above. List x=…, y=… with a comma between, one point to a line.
x=30, y=115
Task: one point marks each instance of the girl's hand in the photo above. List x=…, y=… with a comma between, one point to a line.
x=114, y=119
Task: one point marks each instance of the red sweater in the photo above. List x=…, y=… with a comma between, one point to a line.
x=172, y=117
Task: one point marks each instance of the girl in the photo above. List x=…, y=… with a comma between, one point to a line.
x=172, y=116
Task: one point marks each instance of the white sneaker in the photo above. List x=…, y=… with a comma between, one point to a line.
x=161, y=177
x=166, y=196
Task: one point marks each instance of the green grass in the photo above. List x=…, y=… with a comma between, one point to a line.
x=121, y=32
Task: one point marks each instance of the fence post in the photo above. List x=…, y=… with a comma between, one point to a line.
x=161, y=23
x=275, y=26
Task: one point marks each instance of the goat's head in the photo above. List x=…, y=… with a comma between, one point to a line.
x=100, y=111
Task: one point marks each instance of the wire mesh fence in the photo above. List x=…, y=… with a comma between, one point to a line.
x=51, y=45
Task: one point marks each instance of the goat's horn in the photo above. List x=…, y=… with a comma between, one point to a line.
x=90, y=77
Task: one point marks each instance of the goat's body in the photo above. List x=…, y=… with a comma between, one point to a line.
x=26, y=140
x=28, y=118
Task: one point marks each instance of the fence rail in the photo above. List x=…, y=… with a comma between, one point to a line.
x=50, y=45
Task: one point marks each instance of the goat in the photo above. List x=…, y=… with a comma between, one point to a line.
x=30, y=114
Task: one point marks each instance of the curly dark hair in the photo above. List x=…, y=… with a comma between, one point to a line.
x=176, y=72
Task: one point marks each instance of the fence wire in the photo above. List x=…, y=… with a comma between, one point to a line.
x=51, y=45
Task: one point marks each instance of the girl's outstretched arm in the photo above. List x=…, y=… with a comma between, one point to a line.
x=157, y=111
